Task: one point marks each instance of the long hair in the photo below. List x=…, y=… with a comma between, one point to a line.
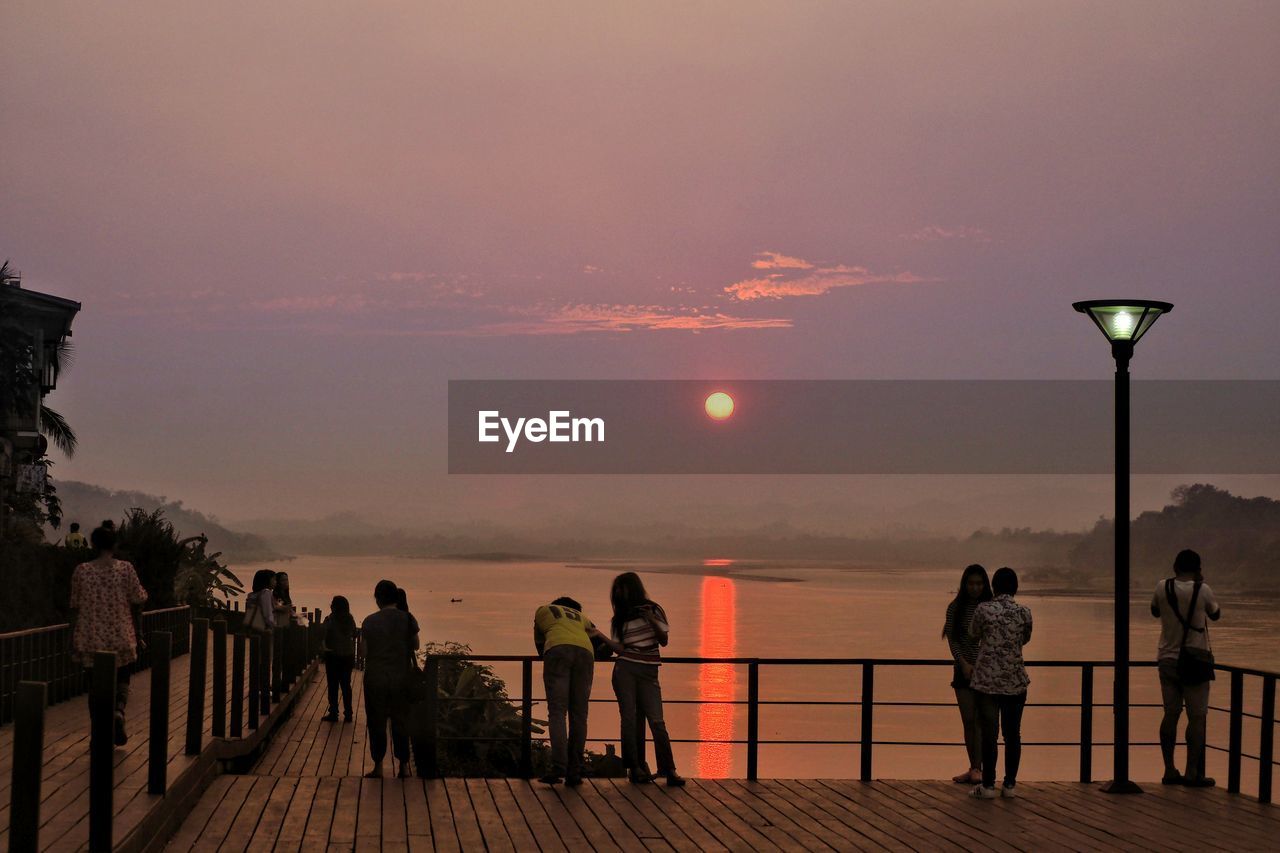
x=340, y=612
x=402, y=599
x=262, y=579
x=282, y=588
x=626, y=594
x=962, y=598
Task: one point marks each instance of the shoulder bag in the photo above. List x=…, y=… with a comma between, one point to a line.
x=1195, y=665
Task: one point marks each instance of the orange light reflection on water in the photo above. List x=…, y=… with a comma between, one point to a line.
x=716, y=681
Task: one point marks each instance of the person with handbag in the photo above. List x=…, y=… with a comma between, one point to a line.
x=1184, y=604
x=260, y=620
x=388, y=641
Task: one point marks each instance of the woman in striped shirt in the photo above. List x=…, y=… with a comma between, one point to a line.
x=975, y=588
x=639, y=628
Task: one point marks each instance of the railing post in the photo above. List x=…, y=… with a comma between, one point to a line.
x=255, y=678
x=753, y=720
x=868, y=712
x=526, y=719
x=430, y=765
x=1234, y=734
x=102, y=711
x=277, y=663
x=1086, y=723
x=28, y=766
x=1266, y=739
x=161, y=646
x=195, y=695
x=237, y=685
x=219, y=697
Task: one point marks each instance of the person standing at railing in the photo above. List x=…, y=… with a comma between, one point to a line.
x=283, y=602
x=568, y=667
x=638, y=629
x=975, y=588
x=388, y=640
x=1001, y=627
x=260, y=618
x=339, y=656
x=1185, y=663
x=75, y=539
x=106, y=616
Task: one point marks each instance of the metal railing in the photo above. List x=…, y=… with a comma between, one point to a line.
x=44, y=654
x=863, y=733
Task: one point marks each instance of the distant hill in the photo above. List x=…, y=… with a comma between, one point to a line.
x=89, y=505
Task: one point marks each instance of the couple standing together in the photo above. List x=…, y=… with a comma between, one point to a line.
x=569, y=644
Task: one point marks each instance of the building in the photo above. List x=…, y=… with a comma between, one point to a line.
x=33, y=326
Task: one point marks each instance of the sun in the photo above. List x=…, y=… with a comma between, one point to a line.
x=719, y=406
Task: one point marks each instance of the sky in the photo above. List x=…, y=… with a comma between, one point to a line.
x=290, y=224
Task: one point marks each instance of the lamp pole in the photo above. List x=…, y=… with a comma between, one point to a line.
x=1122, y=351
x=1123, y=322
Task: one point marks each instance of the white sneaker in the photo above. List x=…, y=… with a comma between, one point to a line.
x=982, y=792
x=1009, y=791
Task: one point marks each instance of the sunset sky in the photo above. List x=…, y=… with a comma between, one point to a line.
x=291, y=223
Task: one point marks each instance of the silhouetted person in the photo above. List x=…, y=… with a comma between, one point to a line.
x=387, y=640
x=1002, y=627
x=975, y=588
x=637, y=631
x=260, y=620
x=568, y=665
x=75, y=539
x=339, y=656
x=1183, y=604
x=283, y=600
x=106, y=616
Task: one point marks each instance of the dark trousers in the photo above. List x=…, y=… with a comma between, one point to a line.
x=337, y=670
x=1001, y=714
x=122, y=688
x=382, y=704
x=567, y=672
x=639, y=699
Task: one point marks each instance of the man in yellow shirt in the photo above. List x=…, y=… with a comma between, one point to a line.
x=75, y=539
x=562, y=635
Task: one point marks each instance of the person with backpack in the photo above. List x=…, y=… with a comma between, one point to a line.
x=1185, y=604
x=339, y=656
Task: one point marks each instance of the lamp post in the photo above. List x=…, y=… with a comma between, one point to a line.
x=1123, y=321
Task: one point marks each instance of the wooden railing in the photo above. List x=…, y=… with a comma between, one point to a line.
x=263, y=670
x=44, y=654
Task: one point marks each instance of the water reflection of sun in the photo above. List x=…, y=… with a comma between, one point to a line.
x=716, y=681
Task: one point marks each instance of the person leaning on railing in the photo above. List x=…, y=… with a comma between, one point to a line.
x=260, y=619
x=568, y=667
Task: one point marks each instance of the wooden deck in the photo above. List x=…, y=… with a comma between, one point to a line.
x=306, y=793
x=64, y=811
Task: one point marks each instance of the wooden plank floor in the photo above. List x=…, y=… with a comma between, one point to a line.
x=306, y=793
x=64, y=811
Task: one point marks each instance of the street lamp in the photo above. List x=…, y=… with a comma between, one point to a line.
x=1124, y=322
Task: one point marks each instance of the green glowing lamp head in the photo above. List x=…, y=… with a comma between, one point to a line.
x=1123, y=320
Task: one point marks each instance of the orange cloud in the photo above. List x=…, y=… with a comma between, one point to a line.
x=576, y=319
x=776, y=261
x=815, y=283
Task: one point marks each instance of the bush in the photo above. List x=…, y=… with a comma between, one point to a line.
x=479, y=724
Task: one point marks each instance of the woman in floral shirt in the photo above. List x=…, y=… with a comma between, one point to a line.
x=1001, y=627
x=106, y=615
